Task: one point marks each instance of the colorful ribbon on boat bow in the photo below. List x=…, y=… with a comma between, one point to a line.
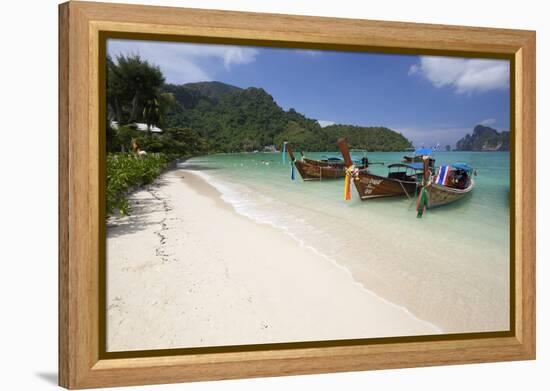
x=421, y=202
x=292, y=175
x=427, y=178
x=351, y=172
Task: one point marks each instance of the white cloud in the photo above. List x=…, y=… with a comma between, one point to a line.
x=234, y=55
x=184, y=62
x=464, y=75
x=488, y=121
x=324, y=123
x=413, y=69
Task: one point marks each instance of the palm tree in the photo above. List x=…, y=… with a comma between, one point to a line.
x=151, y=113
x=154, y=110
x=133, y=88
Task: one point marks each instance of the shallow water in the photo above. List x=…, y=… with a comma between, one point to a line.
x=450, y=268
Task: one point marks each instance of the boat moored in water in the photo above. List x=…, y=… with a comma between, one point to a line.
x=449, y=184
x=402, y=178
x=315, y=170
x=418, y=156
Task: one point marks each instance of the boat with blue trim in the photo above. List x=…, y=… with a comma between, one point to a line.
x=449, y=184
x=419, y=153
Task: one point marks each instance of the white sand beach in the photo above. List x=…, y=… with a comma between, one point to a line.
x=185, y=270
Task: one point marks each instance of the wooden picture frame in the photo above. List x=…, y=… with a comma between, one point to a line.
x=83, y=26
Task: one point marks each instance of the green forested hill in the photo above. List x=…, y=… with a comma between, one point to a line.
x=212, y=89
x=191, y=94
x=232, y=119
x=208, y=117
x=375, y=138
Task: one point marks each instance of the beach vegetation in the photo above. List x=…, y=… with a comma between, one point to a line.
x=126, y=172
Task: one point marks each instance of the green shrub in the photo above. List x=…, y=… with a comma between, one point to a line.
x=125, y=172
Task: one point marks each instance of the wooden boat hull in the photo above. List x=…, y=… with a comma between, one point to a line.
x=323, y=164
x=441, y=195
x=374, y=186
x=314, y=172
x=317, y=170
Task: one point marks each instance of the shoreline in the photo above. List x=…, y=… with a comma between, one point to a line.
x=319, y=253
x=178, y=276
x=399, y=258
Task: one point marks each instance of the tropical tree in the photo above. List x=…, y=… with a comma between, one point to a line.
x=151, y=112
x=133, y=89
x=154, y=110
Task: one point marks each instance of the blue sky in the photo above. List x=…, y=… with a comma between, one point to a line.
x=428, y=99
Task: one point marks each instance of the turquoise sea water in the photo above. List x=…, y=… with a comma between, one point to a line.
x=450, y=268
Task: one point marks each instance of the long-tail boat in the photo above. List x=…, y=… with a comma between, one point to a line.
x=419, y=153
x=315, y=170
x=451, y=183
x=402, y=178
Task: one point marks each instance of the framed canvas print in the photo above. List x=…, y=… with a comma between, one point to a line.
x=254, y=195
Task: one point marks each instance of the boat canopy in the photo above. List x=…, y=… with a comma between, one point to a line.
x=423, y=152
x=462, y=166
x=336, y=159
x=414, y=166
x=331, y=158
